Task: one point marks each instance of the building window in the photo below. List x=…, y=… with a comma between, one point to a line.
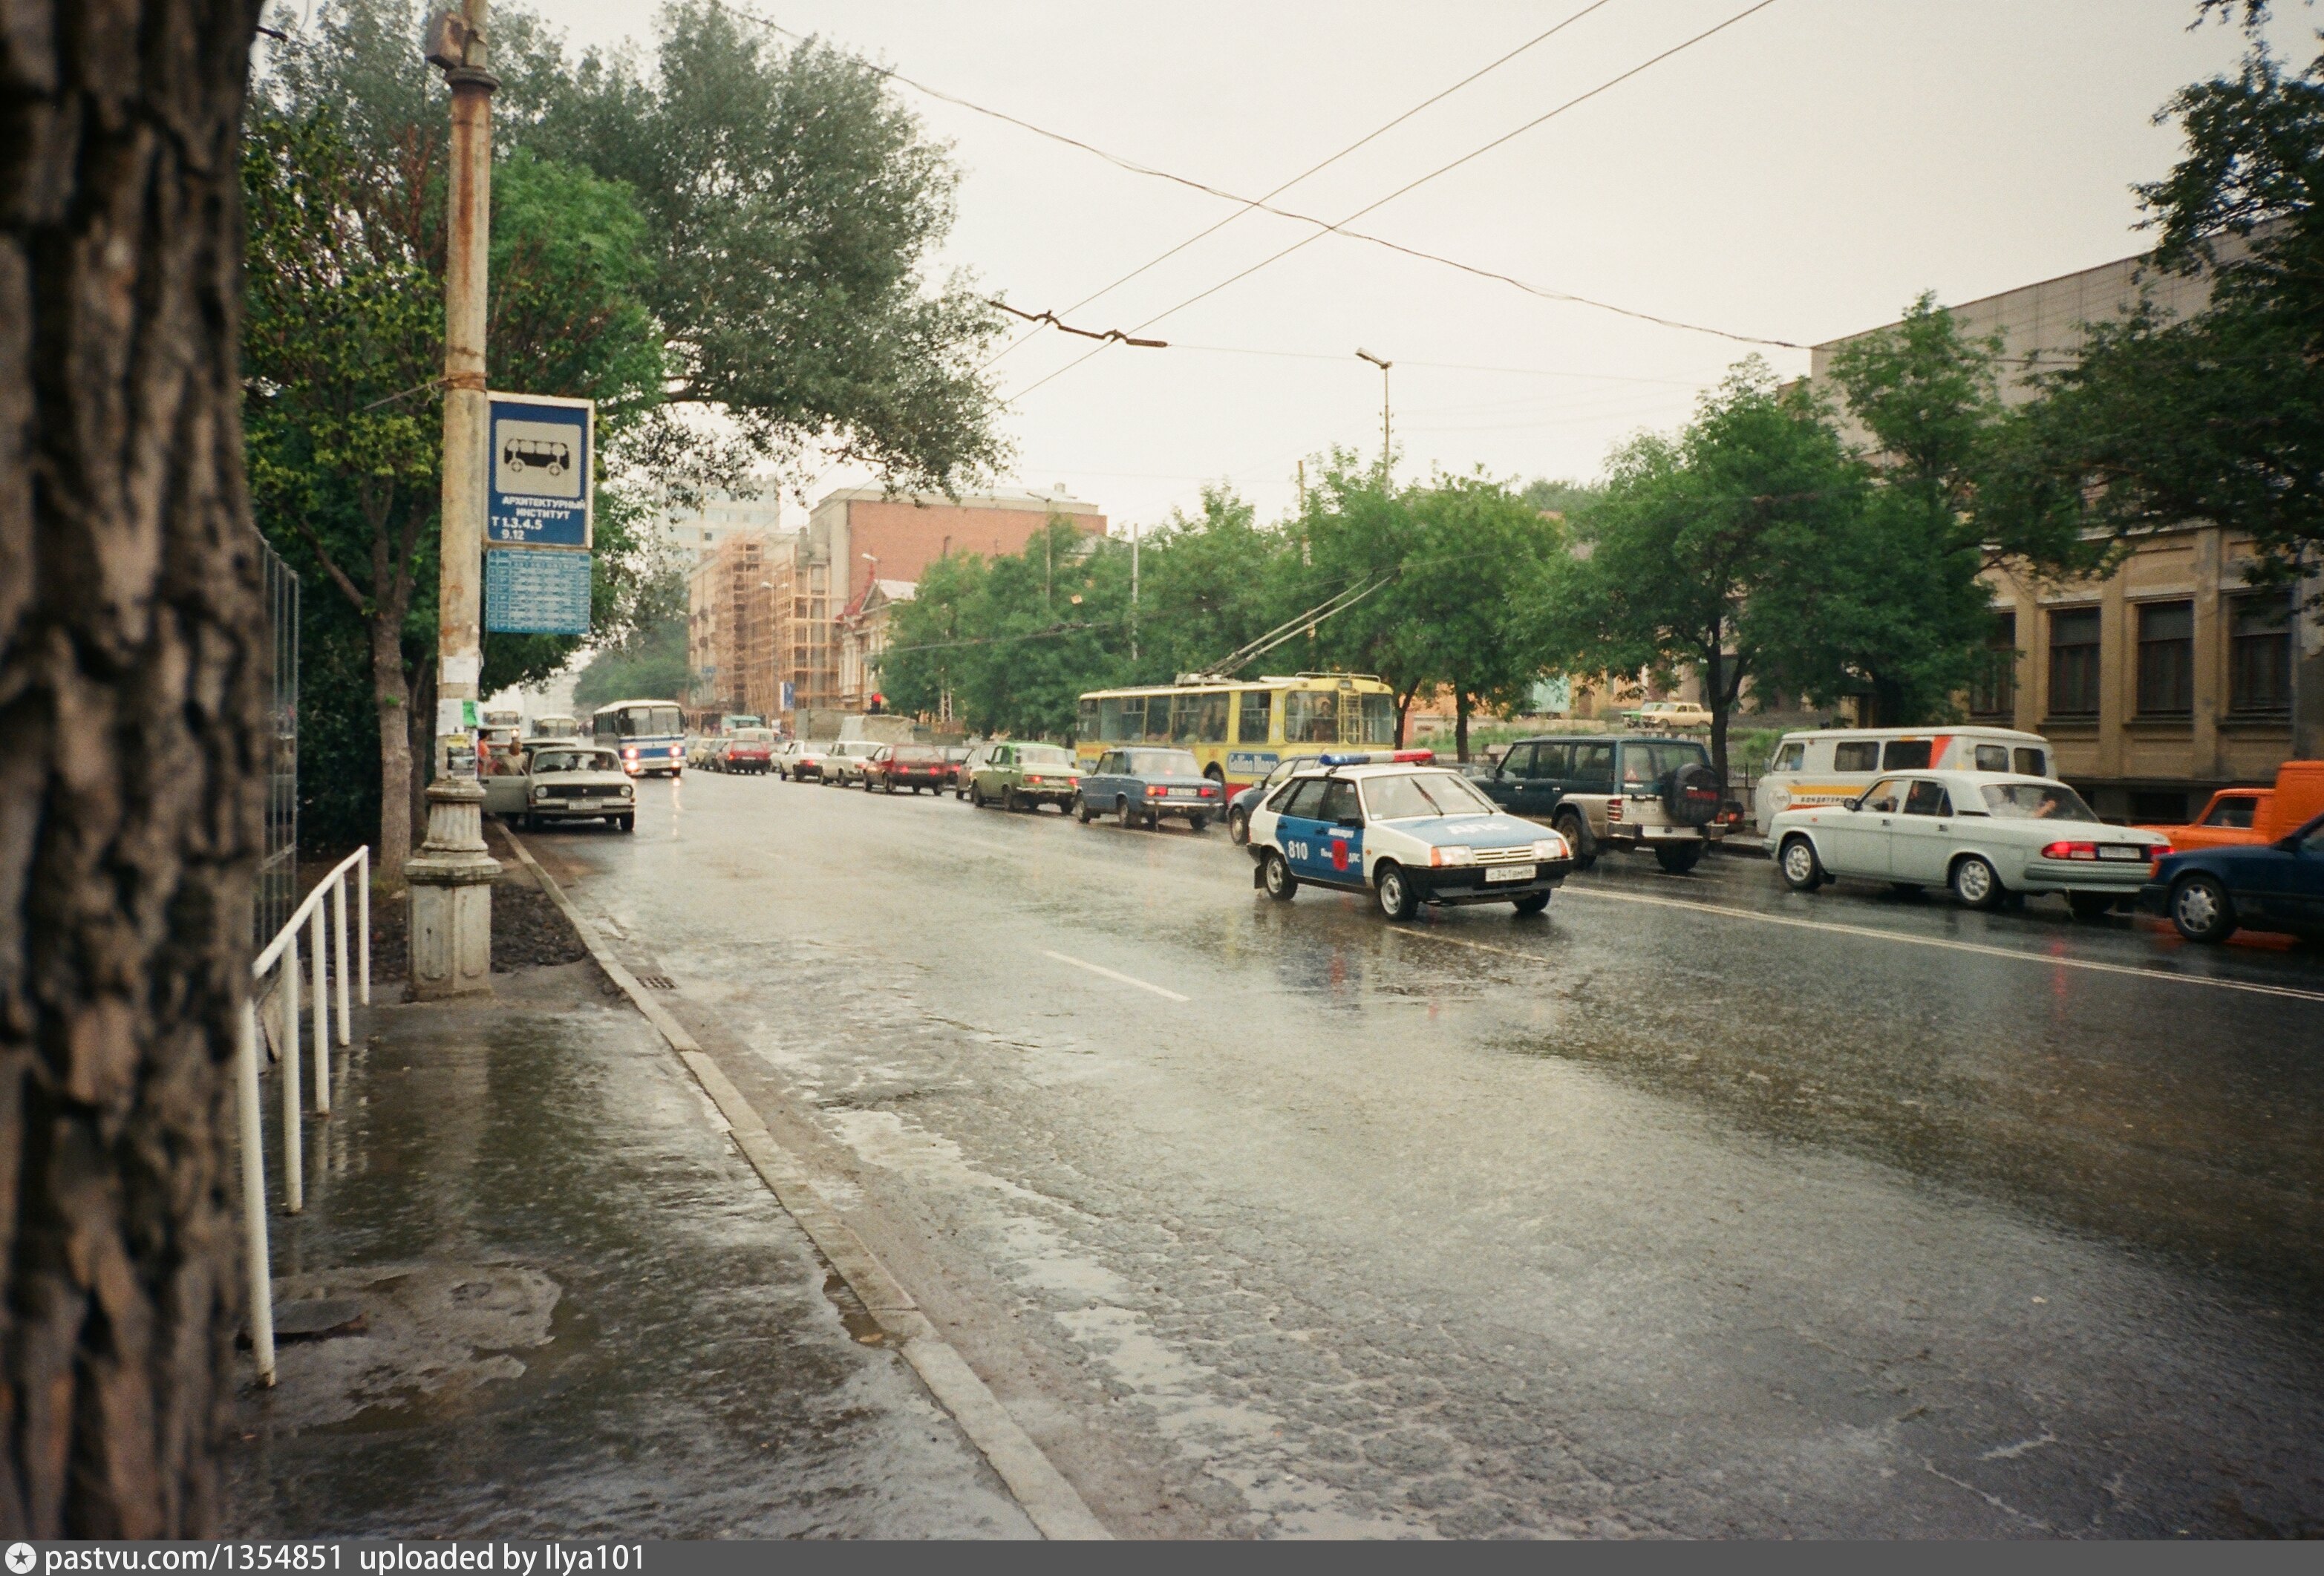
x=2074, y=662
x=1993, y=692
x=2166, y=658
x=2259, y=655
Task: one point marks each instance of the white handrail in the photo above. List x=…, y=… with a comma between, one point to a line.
x=284, y=950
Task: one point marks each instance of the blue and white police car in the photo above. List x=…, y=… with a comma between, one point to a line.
x=1390, y=824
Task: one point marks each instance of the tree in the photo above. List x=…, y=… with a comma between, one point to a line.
x=133, y=660
x=1210, y=583
x=2219, y=416
x=793, y=203
x=1695, y=558
x=1899, y=613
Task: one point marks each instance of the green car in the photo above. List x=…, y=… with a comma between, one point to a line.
x=1023, y=777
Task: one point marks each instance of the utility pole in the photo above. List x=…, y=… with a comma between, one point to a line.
x=1133, y=591
x=451, y=877
x=1385, y=447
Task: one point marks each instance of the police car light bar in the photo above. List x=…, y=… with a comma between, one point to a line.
x=1376, y=757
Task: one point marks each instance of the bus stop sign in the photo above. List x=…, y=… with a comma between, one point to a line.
x=542, y=484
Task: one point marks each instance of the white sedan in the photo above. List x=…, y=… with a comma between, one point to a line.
x=1987, y=835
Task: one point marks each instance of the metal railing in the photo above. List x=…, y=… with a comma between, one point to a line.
x=282, y=953
x=278, y=869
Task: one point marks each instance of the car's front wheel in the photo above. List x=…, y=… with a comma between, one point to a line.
x=1081, y=811
x=2202, y=909
x=2090, y=905
x=1274, y=875
x=1976, y=884
x=1802, y=871
x=1532, y=903
x=1393, y=887
x=628, y=823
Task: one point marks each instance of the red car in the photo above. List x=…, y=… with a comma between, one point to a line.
x=752, y=751
x=907, y=766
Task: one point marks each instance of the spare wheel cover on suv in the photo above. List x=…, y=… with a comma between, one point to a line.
x=1691, y=794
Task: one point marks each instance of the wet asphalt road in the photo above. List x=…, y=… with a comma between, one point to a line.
x=1695, y=1206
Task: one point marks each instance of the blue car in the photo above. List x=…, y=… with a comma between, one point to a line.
x=1138, y=787
x=2211, y=893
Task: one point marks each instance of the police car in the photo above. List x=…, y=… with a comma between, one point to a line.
x=1408, y=832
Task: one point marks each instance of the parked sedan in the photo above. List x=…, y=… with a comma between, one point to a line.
x=842, y=763
x=1025, y=777
x=564, y=782
x=747, y=751
x=971, y=761
x=1138, y=787
x=801, y=760
x=1989, y=837
x=907, y=766
x=2211, y=893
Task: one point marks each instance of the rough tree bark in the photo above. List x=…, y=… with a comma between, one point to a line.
x=132, y=659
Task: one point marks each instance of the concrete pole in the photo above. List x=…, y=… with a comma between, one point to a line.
x=451, y=877
x=459, y=639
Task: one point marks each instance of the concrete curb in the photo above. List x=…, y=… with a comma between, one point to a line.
x=1052, y=1505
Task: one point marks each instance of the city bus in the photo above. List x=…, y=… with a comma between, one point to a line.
x=1240, y=729
x=650, y=736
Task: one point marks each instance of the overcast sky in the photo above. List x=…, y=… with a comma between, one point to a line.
x=1799, y=176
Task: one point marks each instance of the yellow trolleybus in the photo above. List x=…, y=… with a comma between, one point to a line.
x=1240, y=729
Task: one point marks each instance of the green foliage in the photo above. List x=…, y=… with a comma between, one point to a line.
x=1569, y=498
x=2220, y=416
x=791, y=201
x=649, y=665
x=1012, y=645
x=732, y=227
x=1707, y=550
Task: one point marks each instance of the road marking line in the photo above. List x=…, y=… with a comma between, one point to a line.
x=1110, y=974
x=2012, y=955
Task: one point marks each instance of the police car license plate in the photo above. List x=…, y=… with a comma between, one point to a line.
x=1510, y=872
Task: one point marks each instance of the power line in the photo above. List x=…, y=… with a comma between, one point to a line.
x=1373, y=135
x=1135, y=168
x=1446, y=169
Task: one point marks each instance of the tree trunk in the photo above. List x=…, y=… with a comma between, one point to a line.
x=393, y=698
x=133, y=666
x=1460, y=724
x=423, y=747
x=1403, y=711
x=1714, y=697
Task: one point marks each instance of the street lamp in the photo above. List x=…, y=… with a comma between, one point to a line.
x=1383, y=365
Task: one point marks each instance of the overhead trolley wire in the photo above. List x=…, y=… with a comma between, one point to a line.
x=1369, y=136
x=1304, y=241
x=1322, y=225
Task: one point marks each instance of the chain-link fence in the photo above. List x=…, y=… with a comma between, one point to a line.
x=278, y=872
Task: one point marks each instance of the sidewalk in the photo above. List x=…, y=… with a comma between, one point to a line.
x=581, y=1312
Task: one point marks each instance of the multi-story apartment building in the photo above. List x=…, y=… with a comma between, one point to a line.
x=2173, y=674
x=695, y=532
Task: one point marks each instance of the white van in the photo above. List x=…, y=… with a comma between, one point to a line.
x=1830, y=766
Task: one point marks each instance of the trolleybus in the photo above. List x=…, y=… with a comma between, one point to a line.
x=1240, y=729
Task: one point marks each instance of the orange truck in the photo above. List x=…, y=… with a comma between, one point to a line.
x=2236, y=816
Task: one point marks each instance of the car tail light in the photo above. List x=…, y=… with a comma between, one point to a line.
x=2069, y=851
x=1156, y=792
x=1032, y=776
x=1613, y=809
x=1209, y=793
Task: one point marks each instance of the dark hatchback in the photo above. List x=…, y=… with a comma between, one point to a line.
x=2211, y=893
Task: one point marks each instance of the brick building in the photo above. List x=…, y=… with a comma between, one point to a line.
x=858, y=535
x=730, y=626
